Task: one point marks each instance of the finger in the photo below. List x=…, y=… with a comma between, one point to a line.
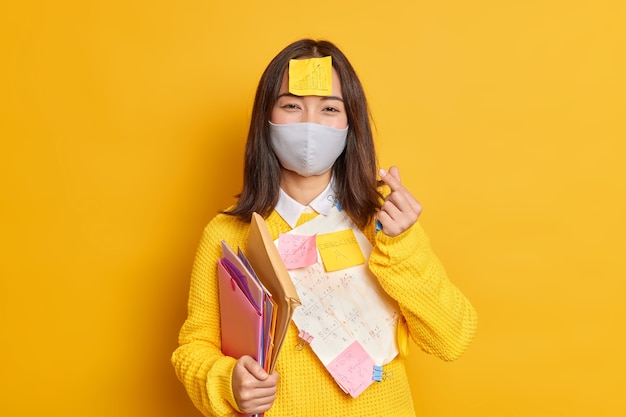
x=270, y=383
x=384, y=218
x=395, y=172
x=259, y=399
x=400, y=198
x=262, y=395
x=260, y=406
x=399, y=215
x=404, y=201
x=398, y=188
x=393, y=182
x=391, y=209
x=388, y=224
x=253, y=367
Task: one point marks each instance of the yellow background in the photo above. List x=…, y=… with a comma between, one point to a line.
x=123, y=124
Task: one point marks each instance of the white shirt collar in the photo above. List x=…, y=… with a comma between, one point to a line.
x=290, y=210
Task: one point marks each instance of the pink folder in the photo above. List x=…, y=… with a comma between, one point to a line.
x=241, y=322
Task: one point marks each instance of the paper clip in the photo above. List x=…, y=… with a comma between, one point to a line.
x=379, y=375
x=305, y=339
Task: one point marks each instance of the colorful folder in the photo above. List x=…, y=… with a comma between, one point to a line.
x=257, y=298
x=241, y=320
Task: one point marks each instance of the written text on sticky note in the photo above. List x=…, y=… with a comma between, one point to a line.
x=353, y=369
x=311, y=77
x=339, y=250
x=297, y=251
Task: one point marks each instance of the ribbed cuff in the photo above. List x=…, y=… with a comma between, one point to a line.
x=399, y=248
x=221, y=385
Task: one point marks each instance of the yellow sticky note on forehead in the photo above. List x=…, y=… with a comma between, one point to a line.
x=339, y=250
x=311, y=77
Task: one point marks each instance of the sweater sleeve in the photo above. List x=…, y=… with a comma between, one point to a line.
x=440, y=319
x=198, y=361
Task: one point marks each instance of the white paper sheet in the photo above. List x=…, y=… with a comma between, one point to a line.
x=344, y=306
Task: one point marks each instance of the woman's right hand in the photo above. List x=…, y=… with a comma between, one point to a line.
x=254, y=389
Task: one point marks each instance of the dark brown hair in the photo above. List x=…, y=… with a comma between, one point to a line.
x=354, y=170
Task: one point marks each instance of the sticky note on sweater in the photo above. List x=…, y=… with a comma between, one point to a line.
x=352, y=369
x=339, y=250
x=297, y=251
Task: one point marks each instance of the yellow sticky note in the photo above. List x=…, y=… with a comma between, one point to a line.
x=339, y=250
x=311, y=77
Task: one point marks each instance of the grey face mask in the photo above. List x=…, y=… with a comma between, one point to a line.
x=307, y=148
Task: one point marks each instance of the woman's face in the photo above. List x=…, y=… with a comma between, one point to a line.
x=324, y=110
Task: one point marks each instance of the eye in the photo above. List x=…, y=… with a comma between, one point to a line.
x=290, y=106
x=331, y=109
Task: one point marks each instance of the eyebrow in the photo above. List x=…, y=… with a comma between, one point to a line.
x=321, y=97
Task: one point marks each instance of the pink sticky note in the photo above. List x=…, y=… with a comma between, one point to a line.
x=297, y=251
x=353, y=369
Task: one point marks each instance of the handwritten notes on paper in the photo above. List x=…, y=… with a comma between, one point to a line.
x=353, y=369
x=351, y=319
x=297, y=251
x=311, y=77
x=339, y=250
x=341, y=307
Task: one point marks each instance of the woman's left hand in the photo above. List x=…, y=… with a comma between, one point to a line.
x=400, y=210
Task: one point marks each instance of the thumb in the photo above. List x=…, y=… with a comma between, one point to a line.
x=253, y=367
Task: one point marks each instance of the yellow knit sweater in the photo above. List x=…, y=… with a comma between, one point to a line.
x=440, y=320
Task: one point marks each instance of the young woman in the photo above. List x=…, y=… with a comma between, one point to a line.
x=305, y=153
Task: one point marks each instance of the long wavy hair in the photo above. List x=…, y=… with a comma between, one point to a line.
x=354, y=170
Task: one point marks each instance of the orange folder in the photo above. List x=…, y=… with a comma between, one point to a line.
x=269, y=267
